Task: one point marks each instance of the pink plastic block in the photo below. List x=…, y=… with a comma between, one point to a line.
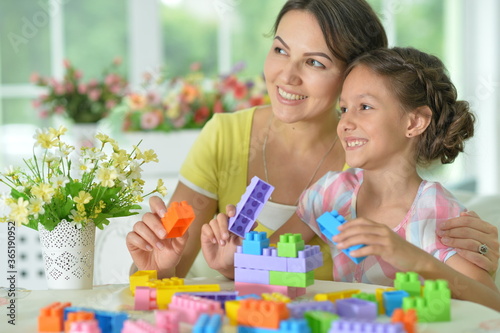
x=245, y=288
x=168, y=320
x=308, y=259
x=251, y=275
x=145, y=299
x=251, y=203
x=348, y=326
x=355, y=308
x=269, y=260
x=191, y=307
x=297, y=309
x=88, y=326
x=141, y=326
x=254, y=242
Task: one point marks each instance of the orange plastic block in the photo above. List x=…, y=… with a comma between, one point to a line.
x=262, y=313
x=334, y=296
x=178, y=219
x=141, y=278
x=77, y=316
x=51, y=317
x=407, y=317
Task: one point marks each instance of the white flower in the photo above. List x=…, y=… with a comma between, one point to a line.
x=59, y=180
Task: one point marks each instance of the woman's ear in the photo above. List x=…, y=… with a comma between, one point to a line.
x=418, y=121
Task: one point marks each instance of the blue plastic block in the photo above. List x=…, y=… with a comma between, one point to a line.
x=254, y=296
x=393, y=300
x=208, y=324
x=297, y=309
x=294, y=326
x=255, y=242
x=109, y=321
x=329, y=223
x=355, y=308
x=251, y=203
x=353, y=326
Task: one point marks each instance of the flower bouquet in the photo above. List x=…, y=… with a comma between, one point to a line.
x=83, y=102
x=188, y=102
x=66, y=197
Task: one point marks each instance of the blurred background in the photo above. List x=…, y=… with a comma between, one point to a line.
x=219, y=37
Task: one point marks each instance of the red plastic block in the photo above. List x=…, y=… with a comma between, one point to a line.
x=51, y=317
x=178, y=218
x=145, y=299
x=244, y=288
x=261, y=313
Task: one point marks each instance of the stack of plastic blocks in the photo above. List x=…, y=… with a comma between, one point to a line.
x=287, y=269
x=251, y=203
x=177, y=219
x=108, y=321
x=328, y=224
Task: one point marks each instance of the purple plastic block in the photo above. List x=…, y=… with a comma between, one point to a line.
x=269, y=260
x=255, y=242
x=247, y=210
x=297, y=309
x=308, y=259
x=352, y=308
x=328, y=224
x=353, y=326
x=249, y=275
x=393, y=300
x=219, y=296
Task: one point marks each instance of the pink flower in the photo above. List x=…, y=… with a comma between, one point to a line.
x=59, y=109
x=82, y=88
x=34, y=77
x=36, y=103
x=43, y=114
x=93, y=83
x=195, y=66
x=218, y=106
x=117, y=61
x=78, y=74
x=66, y=63
x=94, y=94
x=150, y=120
x=59, y=89
x=136, y=101
x=110, y=104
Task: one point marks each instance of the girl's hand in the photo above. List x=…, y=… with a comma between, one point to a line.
x=148, y=245
x=466, y=233
x=379, y=240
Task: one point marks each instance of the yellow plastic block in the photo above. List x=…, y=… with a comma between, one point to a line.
x=164, y=293
x=277, y=297
x=174, y=281
x=334, y=296
x=141, y=278
x=232, y=311
x=380, y=299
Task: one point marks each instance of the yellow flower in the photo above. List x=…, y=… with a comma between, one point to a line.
x=150, y=156
x=120, y=159
x=45, y=138
x=36, y=207
x=19, y=211
x=43, y=191
x=60, y=131
x=160, y=187
x=107, y=176
x=82, y=198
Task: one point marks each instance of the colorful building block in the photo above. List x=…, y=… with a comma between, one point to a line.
x=220, y=296
x=168, y=320
x=261, y=313
x=251, y=203
x=276, y=297
x=269, y=260
x=244, y=288
x=89, y=326
x=409, y=282
x=177, y=219
x=336, y=295
x=51, y=317
x=77, y=317
x=351, y=326
x=231, y=308
x=145, y=299
x=164, y=293
x=140, y=326
x=438, y=298
x=328, y=224
x=307, y=260
x=289, y=245
x=380, y=299
x=298, y=309
x=355, y=308
x=291, y=279
x=366, y=297
x=406, y=317
x=249, y=275
x=320, y=321
x=255, y=242
x=208, y=324
x=141, y=278
x=109, y=321
x=191, y=307
x=393, y=300
x=286, y=326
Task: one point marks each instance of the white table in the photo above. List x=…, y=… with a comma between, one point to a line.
x=466, y=316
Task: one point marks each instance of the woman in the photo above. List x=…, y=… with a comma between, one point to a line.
x=290, y=144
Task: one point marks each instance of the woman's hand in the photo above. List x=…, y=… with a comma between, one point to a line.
x=466, y=233
x=379, y=240
x=149, y=248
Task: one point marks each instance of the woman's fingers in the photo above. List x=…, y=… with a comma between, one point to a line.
x=154, y=224
x=134, y=241
x=145, y=232
x=157, y=206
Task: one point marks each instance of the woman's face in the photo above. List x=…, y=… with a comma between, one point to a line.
x=303, y=77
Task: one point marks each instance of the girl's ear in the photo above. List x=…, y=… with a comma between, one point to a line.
x=418, y=121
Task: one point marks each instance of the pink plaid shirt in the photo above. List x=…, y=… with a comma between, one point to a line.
x=338, y=190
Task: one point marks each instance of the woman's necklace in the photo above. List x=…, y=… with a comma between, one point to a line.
x=264, y=145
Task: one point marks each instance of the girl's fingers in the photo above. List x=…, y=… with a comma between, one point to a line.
x=207, y=234
x=223, y=226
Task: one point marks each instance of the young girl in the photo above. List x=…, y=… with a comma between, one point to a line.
x=399, y=109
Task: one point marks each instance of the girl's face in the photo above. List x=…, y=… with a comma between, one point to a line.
x=303, y=77
x=372, y=127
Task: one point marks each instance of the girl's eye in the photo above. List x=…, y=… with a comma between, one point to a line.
x=343, y=109
x=365, y=107
x=315, y=63
x=279, y=50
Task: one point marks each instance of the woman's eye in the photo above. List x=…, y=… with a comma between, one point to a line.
x=279, y=50
x=365, y=107
x=315, y=63
x=343, y=109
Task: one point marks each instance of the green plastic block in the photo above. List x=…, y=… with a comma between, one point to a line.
x=289, y=245
x=408, y=282
x=291, y=279
x=428, y=312
x=366, y=297
x=320, y=321
x=438, y=298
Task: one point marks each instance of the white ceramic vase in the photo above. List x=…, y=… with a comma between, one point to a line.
x=68, y=255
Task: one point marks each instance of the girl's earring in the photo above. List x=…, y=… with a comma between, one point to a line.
x=408, y=135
